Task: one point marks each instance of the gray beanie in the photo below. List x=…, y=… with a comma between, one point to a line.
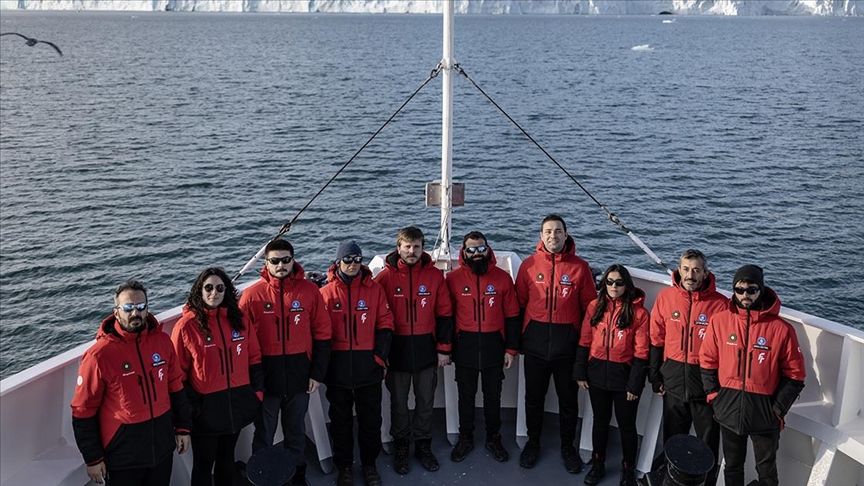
x=346, y=248
x=750, y=273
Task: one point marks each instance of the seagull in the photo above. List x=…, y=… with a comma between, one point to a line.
x=32, y=42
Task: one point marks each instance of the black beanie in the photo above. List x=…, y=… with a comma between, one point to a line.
x=346, y=248
x=750, y=273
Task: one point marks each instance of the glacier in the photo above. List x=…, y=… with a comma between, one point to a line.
x=575, y=7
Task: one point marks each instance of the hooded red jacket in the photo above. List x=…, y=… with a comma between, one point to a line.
x=362, y=328
x=129, y=391
x=293, y=330
x=752, y=367
x=611, y=358
x=486, y=315
x=679, y=322
x=421, y=310
x=554, y=289
x=219, y=367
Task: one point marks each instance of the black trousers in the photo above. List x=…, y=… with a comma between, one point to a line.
x=367, y=401
x=625, y=412
x=678, y=415
x=537, y=375
x=159, y=475
x=764, y=449
x=208, y=450
x=402, y=425
x=466, y=383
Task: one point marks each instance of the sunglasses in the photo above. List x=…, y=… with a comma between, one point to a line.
x=752, y=290
x=475, y=249
x=219, y=288
x=277, y=261
x=130, y=307
x=348, y=260
x=615, y=283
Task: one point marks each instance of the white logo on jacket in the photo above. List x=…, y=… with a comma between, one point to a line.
x=363, y=317
x=239, y=349
x=620, y=335
x=161, y=374
x=491, y=301
x=702, y=333
x=297, y=319
x=761, y=357
x=423, y=302
x=564, y=291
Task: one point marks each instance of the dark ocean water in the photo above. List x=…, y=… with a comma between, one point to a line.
x=164, y=143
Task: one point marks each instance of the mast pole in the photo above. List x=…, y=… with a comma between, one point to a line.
x=447, y=63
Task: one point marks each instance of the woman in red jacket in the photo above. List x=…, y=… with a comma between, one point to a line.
x=611, y=363
x=221, y=359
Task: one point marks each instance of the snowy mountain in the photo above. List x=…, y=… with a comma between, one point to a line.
x=580, y=7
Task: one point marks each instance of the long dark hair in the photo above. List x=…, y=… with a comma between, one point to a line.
x=627, y=298
x=229, y=300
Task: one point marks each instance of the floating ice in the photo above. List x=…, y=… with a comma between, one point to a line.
x=642, y=48
x=669, y=21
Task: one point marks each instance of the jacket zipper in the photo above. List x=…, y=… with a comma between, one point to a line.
x=744, y=376
x=551, y=311
x=227, y=369
x=150, y=403
x=479, y=302
x=351, y=319
x=411, y=308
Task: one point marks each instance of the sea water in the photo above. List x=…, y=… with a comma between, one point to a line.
x=163, y=143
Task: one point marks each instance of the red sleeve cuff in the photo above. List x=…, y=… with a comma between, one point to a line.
x=710, y=397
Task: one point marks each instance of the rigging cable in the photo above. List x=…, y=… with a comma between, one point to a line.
x=612, y=217
x=287, y=226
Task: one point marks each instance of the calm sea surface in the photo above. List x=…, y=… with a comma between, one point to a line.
x=164, y=143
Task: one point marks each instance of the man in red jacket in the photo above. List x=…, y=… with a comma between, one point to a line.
x=362, y=326
x=679, y=323
x=288, y=316
x=554, y=287
x=486, y=340
x=422, y=312
x=752, y=371
x=129, y=410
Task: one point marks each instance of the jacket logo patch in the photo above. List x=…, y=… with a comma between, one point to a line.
x=337, y=306
x=296, y=307
x=239, y=348
x=208, y=339
x=422, y=291
x=127, y=366
x=762, y=343
x=761, y=357
x=702, y=320
x=620, y=335
x=565, y=280
x=702, y=333
x=268, y=307
x=676, y=315
x=236, y=336
x=540, y=276
x=161, y=373
x=80, y=380
x=157, y=360
x=423, y=302
x=398, y=290
x=361, y=306
x=466, y=290
x=491, y=301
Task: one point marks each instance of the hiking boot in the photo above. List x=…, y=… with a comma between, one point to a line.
x=628, y=474
x=299, y=475
x=530, y=453
x=346, y=477
x=463, y=447
x=371, y=476
x=400, y=456
x=572, y=461
x=423, y=452
x=598, y=470
x=493, y=445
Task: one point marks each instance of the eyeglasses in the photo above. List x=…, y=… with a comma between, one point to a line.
x=348, y=260
x=219, y=288
x=752, y=290
x=277, y=261
x=475, y=249
x=130, y=307
x=615, y=283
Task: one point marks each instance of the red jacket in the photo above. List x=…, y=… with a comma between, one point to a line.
x=129, y=388
x=219, y=367
x=679, y=322
x=554, y=289
x=293, y=330
x=362, y=327
x=486, y=313
x=752, y=367
x=611, y=358
x=421, y=310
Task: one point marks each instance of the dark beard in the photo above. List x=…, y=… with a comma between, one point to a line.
x=478, y=266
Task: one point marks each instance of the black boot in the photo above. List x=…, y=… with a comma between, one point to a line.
x=299, y=475
x=572, y=461
x=598, y=470
x=346, y=477
x=423, y=452
x=493, y=445
x=371, y=476
x=463, y=447
x=628, y=474
x=400, y=456
x=530, y=453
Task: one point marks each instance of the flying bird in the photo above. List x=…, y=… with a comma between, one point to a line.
x=32, y=42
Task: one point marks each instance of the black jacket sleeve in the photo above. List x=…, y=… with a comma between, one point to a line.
x=256, y=376
x=580, y=367
x=512, y=333
x=320, y=359
x=710, y=380
x=181, y=410
x=444, y=329
x=87, y=436
x=786, y=394
x=192, y=397
x=637, y=376
x=655, y=359
x=383, y=337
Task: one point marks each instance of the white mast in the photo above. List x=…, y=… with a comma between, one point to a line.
x=443, y=251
